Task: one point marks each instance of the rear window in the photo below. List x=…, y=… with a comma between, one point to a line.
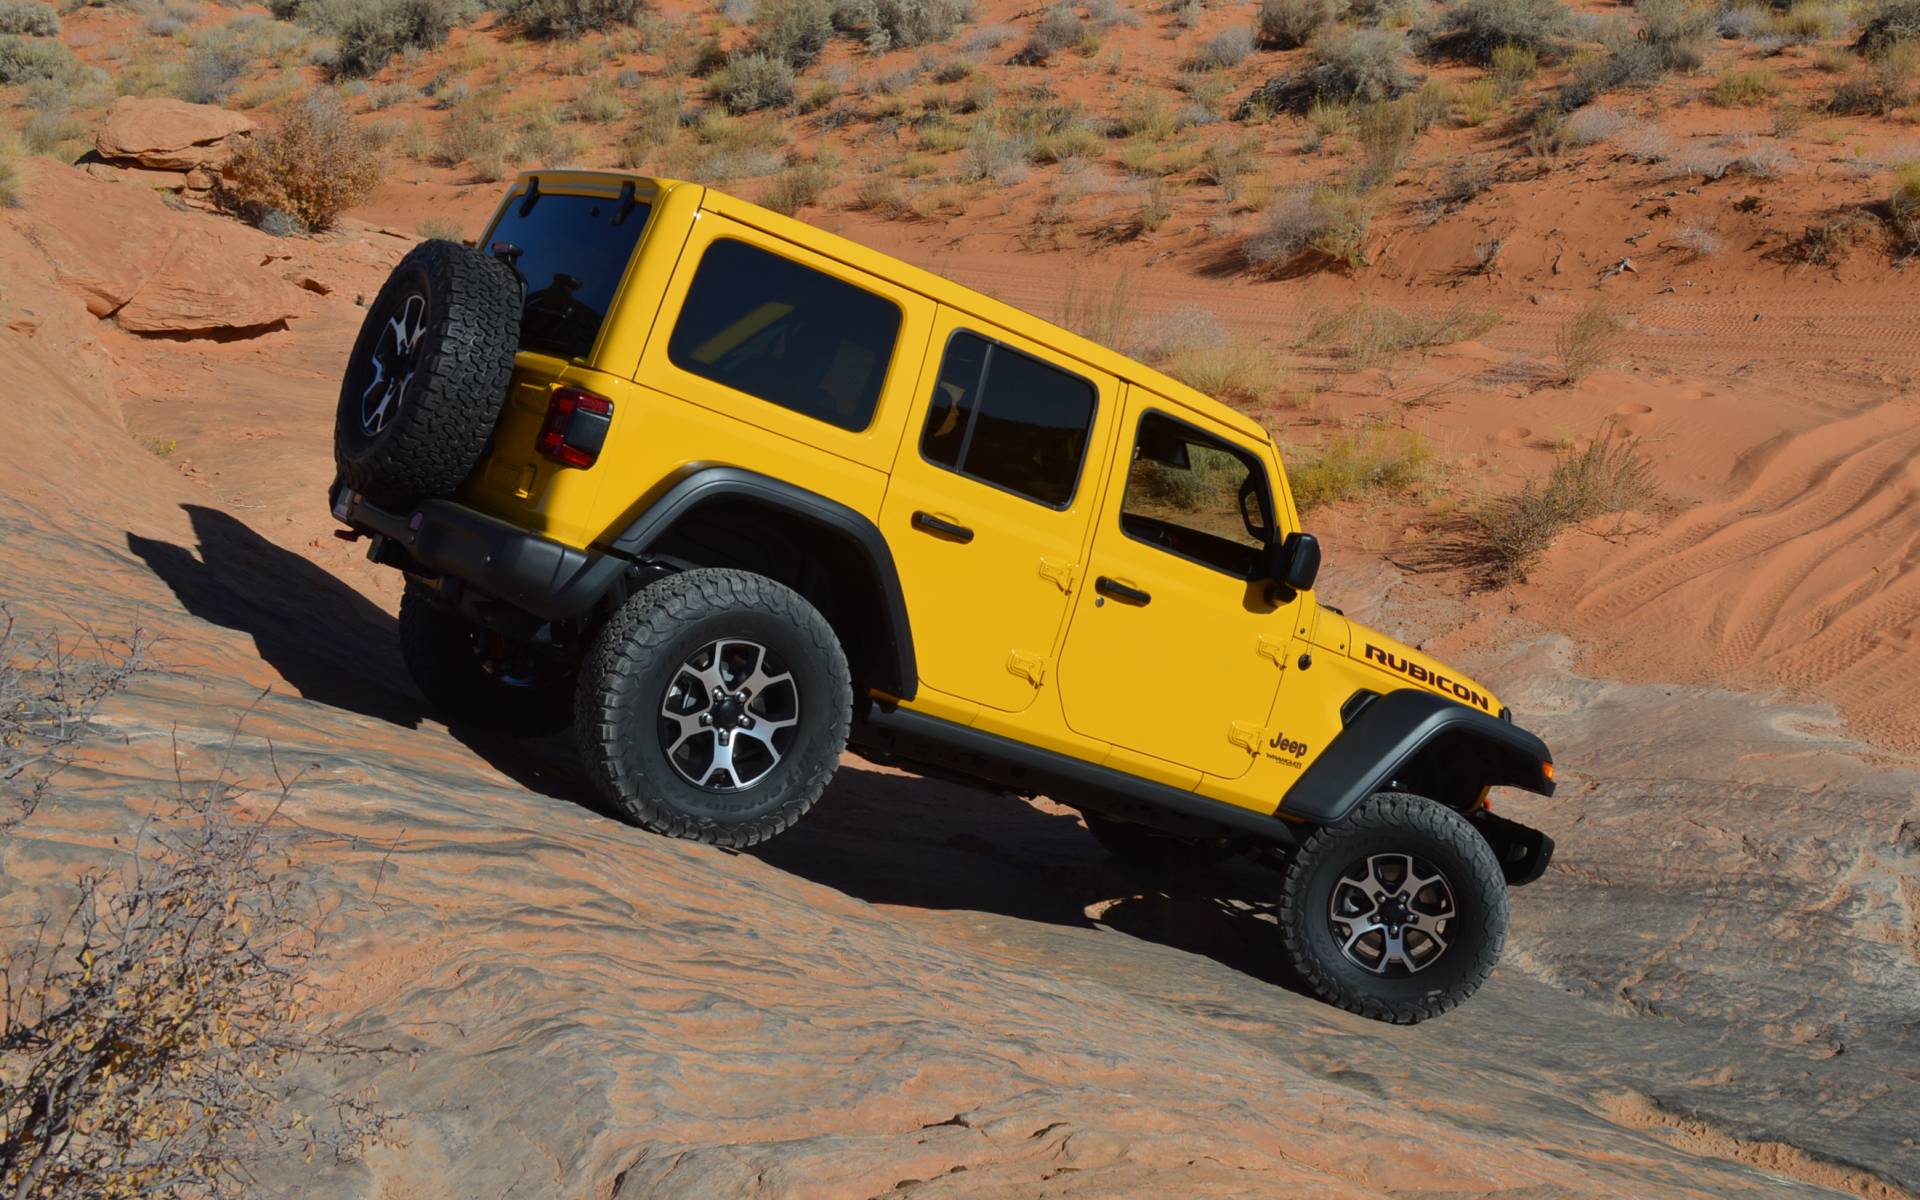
x=573, y=250
x=769, y=327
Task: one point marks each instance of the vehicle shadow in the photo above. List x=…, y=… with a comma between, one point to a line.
x=897, y=839
x=879, y=835
x=331, y=644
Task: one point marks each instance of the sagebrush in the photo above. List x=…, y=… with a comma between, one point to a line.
x=314, y=166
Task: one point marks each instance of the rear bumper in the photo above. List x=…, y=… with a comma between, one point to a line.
x=1523, y=851
x=547, y=578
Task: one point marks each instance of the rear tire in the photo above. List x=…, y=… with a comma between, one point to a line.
x=714, y=706
x=1398, y=913
x=428, y=375
x=1153, y=851
x=447, y=660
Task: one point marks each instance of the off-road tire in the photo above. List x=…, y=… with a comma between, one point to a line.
x=1153, y=852
x=460, y=367
x=635, y=659
x=1392, y=823
x=442, y=655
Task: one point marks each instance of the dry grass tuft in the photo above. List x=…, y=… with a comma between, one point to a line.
x=1903, y=208
x=1587, y=341
x=1506, y=537
x=1378, y=461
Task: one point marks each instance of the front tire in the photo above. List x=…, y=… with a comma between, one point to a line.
x=1398, y=912
x=714, y=706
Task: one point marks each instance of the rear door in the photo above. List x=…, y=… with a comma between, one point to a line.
x=988, y=507
x=1175, y=650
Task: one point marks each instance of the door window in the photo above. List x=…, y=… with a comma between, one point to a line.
x=1196, y=496
x=1009, y=420
x=786, y=333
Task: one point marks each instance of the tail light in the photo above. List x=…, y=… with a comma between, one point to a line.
x=575, y=428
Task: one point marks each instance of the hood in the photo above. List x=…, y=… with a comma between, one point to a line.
x=1399, y=664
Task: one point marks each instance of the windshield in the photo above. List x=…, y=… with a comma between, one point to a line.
x=572, y=251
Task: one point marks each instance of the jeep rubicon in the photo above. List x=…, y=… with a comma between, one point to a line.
x=729, y=494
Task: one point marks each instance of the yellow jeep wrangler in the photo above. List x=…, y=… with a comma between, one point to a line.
x=729, y=494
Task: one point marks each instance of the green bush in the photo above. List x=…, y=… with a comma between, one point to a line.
x=1344, y=65
x=568, y=18
x=32, y=60
x=1477, y=28
x=793, y=31
x=746, y=82
x=893, y=24
x=368, y=33
x=1892, y=23
x=28, y=17
x=1285, y=24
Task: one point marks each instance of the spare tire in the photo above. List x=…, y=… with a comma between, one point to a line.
x=429, y=373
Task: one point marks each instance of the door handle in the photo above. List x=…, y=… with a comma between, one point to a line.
x=1120, y=591
x=940, y=525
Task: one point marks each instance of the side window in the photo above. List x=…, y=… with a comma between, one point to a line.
x=769, y=327
x=1009, y=420
x=1194, y=495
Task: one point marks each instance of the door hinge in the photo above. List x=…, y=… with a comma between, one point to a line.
x=1062, y=575
x=1275, y=650
x=1247, y=737
x=1030, y=667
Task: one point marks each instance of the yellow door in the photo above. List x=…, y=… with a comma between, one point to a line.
x=1175, y=649
x=988, y=507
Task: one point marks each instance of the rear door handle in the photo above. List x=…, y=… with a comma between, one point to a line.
x=940, y=525
x=1120, y=591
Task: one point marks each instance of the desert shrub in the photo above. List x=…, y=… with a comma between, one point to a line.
x=1511, y=68
x=9, y=175
x=995, y=156
x=797, y=187
x=1225, y=161
x=1805, y=23
x=1591, y=125
x=1884, y=85
x=1744, y=22
x=1147, y=115
x=1893, y=23
x=1228, y=48
x=1464, y=182
x=1697, y=240
x=878, y=195
x=151, y=1028
x=892, y=24
x=442, y=229
x=1675, y=22
x=1378, y=461
x=46, y=132
x=1320, y=226
x=29, y=17
x=1157, y=336
x=368, y=33
x=1506, y=537
x=1101, y=313
x=472, y=132
x=1587, y=340
x=1903, y=208
x=314, y=166
x=32, y=60
x=1344, y=65
x=747, y=82
x=793, y=31
x=1759, y=158
x=1738, y=86
x=1475, y=103
x=1477, y=28
x=568, y=18
x=1060, y=28
x=1285, y=24
x=213, y=71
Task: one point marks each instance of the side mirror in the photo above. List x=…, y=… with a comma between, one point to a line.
x=1294, y=562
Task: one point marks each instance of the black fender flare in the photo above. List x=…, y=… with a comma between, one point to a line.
x=1389, y=734
x=899, y=673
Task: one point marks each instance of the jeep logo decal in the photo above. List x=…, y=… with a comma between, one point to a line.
x=1288, y=746
x=1419, y=674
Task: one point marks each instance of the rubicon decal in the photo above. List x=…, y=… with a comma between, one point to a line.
x=1420, y=674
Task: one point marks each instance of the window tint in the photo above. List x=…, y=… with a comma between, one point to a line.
x=772, y=328
x=1193, y=495
x=573, y=250
x=1009, y=420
